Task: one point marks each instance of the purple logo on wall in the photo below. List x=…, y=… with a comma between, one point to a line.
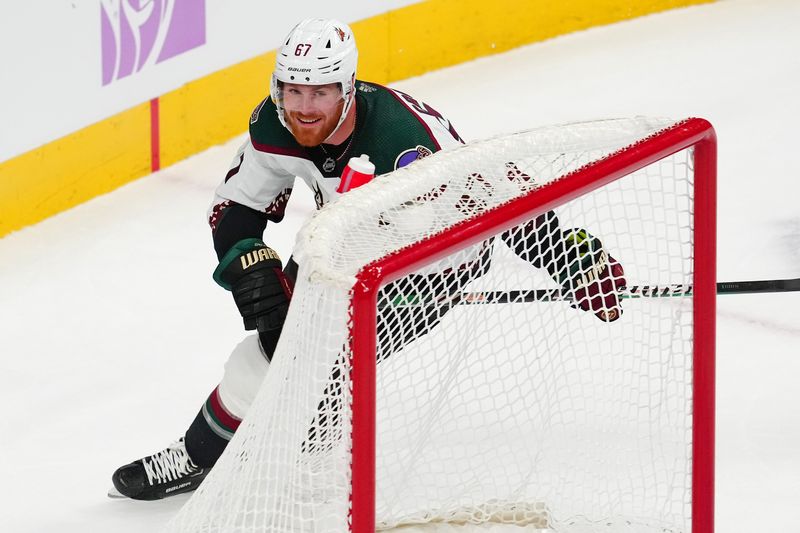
x=138, y=33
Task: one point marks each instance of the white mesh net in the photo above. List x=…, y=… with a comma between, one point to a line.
x=532, y=413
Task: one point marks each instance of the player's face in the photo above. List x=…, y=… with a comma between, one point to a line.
x=312, y=111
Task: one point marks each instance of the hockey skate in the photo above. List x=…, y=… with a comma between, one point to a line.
x=165, y=473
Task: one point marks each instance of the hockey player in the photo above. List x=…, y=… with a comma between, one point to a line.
x=318, y=116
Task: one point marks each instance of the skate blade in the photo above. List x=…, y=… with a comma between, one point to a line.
x=115, y=494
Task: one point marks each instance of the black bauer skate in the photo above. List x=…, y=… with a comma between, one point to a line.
x=165, y=473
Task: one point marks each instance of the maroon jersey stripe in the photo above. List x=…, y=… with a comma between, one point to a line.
x=235, y=170
x=280, y=150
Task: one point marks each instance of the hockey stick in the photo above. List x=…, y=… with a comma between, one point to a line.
x=636, y=291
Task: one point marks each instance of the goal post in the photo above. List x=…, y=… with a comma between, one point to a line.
x=388, y=404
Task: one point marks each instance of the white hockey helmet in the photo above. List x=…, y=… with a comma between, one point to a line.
x=316, y=52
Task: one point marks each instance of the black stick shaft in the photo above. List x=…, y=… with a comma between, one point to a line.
x=749, y=287
x=640, y=291
x=636, y=291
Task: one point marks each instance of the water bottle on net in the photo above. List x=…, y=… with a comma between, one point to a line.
x=359, y=170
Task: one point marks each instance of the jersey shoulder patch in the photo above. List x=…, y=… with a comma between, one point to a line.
x=412, y=154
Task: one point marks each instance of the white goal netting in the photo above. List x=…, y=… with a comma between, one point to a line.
x=495, y=407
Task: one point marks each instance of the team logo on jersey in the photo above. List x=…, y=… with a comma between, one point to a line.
x=364, y=88
x=411, y=155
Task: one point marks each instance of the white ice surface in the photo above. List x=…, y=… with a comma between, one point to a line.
x=112, y=332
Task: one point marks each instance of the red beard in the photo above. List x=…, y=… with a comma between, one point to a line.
x=313, y=134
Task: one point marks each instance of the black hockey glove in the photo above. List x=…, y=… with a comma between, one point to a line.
x=252, y=272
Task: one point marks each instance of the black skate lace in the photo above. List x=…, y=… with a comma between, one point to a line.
x=168, y=465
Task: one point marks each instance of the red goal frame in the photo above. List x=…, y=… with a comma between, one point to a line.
x=694, y=132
